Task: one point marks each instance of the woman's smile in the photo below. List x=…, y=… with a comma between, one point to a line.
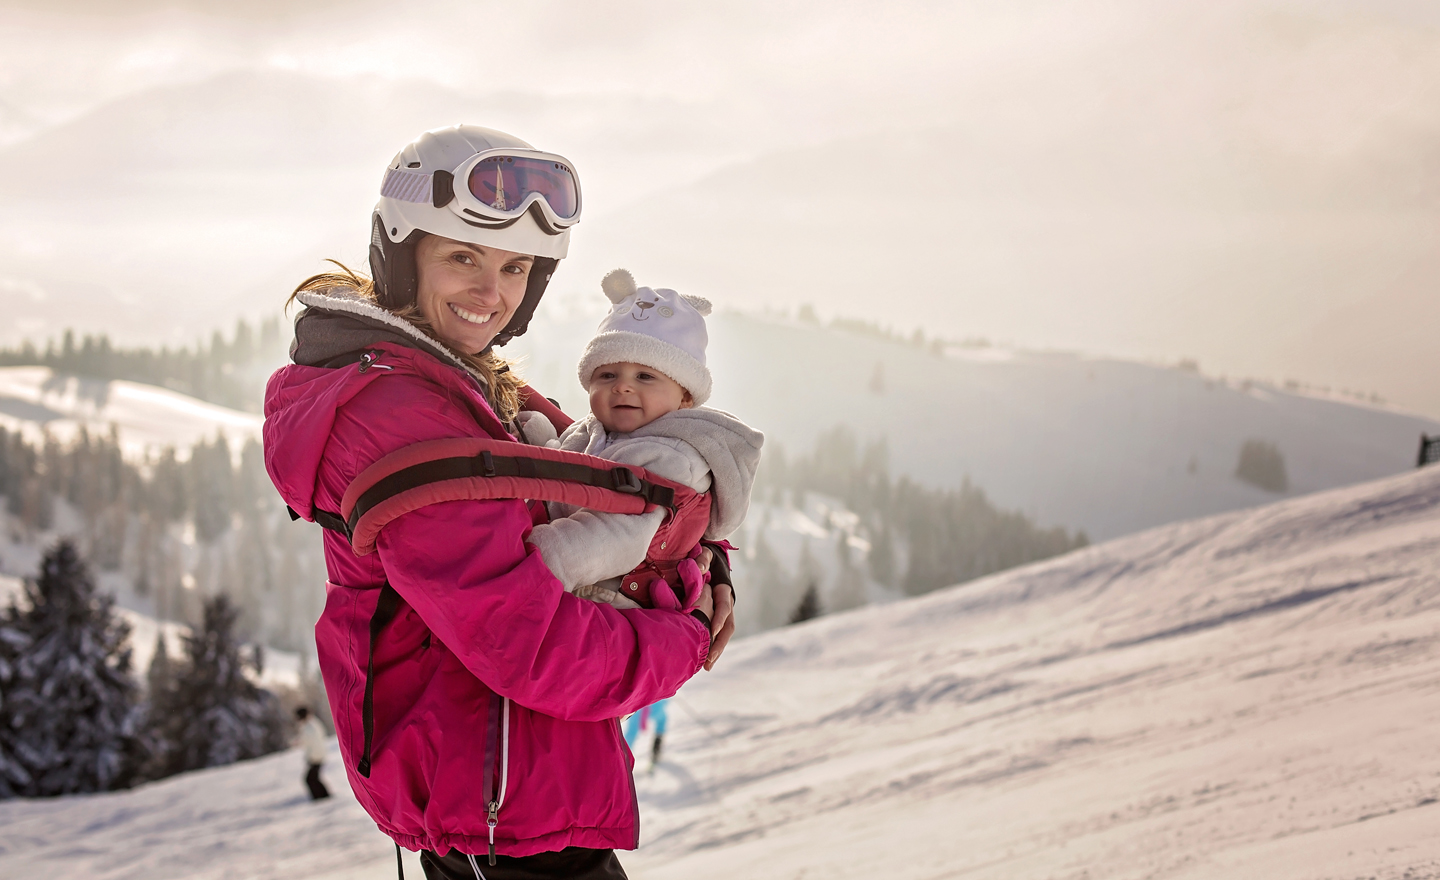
x=473, y=318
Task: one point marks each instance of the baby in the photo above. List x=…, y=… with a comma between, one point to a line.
x=646, y=375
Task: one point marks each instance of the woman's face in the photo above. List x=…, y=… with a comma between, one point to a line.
x=466, y=291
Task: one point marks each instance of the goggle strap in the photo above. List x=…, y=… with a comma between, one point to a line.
x=408, y=186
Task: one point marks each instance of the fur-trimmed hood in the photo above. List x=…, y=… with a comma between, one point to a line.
x=338, y=321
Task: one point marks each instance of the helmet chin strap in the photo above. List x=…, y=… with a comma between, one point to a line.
x=540, y=272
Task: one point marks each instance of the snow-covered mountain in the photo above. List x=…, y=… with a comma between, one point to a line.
x=1105, y=445
x=1246, y=696
x=34, y=400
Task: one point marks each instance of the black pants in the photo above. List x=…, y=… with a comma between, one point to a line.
x=571, y=862
x=317, y=788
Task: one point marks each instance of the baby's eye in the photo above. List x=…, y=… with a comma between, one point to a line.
x=646, y=376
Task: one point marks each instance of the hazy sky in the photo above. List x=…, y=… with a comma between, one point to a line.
x=1253, y=184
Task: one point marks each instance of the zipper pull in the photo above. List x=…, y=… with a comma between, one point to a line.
x=368, y=360
x=492, y=820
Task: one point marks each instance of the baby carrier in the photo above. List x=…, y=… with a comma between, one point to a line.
x=485, y=468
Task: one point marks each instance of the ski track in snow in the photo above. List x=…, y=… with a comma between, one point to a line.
x=1250, y=695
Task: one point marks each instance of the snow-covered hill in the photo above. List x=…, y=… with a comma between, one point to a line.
x=1105, y=445
x=147, y=418
x=1249, y=695
x=1245, y=696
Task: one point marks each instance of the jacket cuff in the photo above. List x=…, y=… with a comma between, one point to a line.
x=720, y=564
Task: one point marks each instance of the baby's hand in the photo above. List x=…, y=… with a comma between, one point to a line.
x=537, y=429
x=693, y=581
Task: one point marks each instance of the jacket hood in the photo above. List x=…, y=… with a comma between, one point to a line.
x=339, y=321
x=301, y=400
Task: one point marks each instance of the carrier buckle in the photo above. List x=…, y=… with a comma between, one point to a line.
x=626, y=481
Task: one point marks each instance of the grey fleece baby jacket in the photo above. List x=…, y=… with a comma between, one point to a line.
x=703, y=448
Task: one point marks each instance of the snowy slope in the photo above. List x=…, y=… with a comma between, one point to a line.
x=1250, y=695
x=35, y=399
x=1105, y=445
x=1246, y=696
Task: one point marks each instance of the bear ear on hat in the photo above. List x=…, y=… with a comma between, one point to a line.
x=618, y=284
x=699, y=303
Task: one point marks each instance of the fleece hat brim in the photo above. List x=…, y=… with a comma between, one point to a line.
x=624, y=346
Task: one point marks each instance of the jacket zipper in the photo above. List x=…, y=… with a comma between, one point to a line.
x=497, y=796
x=630, y=776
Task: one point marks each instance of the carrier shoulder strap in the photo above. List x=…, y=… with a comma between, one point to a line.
x=457, y=469
x=464, y=468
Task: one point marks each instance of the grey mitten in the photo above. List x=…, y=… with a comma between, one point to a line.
x=537, y=429
x=597, y=593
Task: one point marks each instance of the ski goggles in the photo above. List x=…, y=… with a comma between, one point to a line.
x=495, y=188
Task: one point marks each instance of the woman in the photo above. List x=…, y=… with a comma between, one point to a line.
x=475, y=702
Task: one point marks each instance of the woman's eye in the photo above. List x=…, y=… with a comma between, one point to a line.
x=515, y=270
x=464, y=259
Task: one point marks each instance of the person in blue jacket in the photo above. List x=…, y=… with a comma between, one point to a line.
x=653, y=715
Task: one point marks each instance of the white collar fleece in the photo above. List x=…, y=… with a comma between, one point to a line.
x=348, y=301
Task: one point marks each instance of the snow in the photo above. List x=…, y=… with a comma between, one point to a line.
x=1250, y=695
x=36, y=399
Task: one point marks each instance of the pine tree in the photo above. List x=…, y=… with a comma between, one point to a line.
x=213, y=714
x=882, y=556
x=1262, y=466
x=849, y=591
x=68, y=714
x=159, y=678
x=809, y=606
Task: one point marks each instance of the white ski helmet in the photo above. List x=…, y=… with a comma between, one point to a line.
x=479, y=185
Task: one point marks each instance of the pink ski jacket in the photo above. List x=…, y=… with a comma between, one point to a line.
x=496, y=694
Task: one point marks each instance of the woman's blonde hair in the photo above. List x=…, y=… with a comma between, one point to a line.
x=502, y=385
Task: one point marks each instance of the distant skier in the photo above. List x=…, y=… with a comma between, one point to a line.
x=312, y=739
x=654, y=716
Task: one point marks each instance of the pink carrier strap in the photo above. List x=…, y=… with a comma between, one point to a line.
x=463, y=468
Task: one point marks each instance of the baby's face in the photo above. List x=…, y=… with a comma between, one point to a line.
x=629, y=396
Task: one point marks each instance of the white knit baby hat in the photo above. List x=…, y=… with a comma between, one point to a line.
x=661, y=329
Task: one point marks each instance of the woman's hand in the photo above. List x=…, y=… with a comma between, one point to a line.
x=706, y=605
x=722, y=622
x=721, y=599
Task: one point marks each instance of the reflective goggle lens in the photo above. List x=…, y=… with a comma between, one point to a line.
x=505, y=182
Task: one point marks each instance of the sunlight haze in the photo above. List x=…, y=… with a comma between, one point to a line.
x=1250, y=185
